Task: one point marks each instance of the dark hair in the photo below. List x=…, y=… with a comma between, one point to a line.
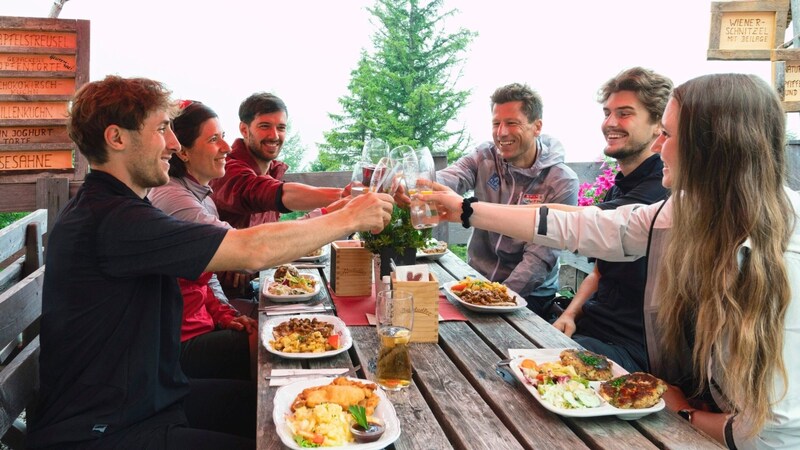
x=260, y=103
x=125, y=102
x=515, y=92
x=650, y=88
x=186, y=126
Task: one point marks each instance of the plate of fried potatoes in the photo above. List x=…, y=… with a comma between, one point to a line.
x=484, y=296
x=306, y=336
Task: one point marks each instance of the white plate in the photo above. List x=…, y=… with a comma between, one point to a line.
x=285, y=396
x=421, y=254
x=345, y=340
x=605, y=409
x=292, y=298
x=325, y=251
x=521, y=303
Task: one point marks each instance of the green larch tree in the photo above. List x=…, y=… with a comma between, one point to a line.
x=404, y=92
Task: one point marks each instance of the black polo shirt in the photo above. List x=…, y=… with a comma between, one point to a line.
x=112, y=311
x=615, y=312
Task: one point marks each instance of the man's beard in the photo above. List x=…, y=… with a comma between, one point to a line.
x=628, y=152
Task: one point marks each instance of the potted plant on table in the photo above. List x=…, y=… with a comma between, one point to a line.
x=398, y=241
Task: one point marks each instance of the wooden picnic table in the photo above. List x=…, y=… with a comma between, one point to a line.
x=457, y=400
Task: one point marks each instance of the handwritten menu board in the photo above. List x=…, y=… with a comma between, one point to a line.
x=42, y=63
x=747, y=30
x=786, y=77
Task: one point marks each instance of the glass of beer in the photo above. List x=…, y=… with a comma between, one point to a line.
x=395, y=314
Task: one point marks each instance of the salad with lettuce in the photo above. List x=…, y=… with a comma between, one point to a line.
x=560, y=385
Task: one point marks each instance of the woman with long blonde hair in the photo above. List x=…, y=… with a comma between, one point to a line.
x=722, y=306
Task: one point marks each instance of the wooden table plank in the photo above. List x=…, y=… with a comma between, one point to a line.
x=669, y=430
x=468, y=422
x=419, y=427
x=517, y=410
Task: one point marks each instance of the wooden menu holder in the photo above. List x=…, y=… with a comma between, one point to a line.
x=351, y=269
x=426, y=307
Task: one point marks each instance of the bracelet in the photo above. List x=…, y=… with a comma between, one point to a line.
x=466, y=211
x=687, y=414
x=323, y=211
x=727, y=434
x=542, y=228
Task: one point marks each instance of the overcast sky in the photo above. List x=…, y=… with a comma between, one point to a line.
x=304, y=50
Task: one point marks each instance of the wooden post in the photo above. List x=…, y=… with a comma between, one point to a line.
x=55, y=10
x=51, y=194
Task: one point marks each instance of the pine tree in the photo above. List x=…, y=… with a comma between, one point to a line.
x=404, y=92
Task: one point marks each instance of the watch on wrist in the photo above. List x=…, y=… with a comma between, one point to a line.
x=687, y=414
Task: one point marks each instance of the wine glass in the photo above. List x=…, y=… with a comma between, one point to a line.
x=361, y=177
x=420, y=173
x=384, y=179
x=374, y=150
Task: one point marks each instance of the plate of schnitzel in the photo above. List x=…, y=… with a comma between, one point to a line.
x=311, y=401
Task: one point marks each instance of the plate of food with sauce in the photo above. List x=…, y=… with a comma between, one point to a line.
x=484, y=296
x=317, y=413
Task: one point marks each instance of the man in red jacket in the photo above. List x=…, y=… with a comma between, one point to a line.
x=252, y=191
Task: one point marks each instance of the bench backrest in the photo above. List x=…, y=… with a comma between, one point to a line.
x=20, y=308
x=21, y=282
x=21, y=247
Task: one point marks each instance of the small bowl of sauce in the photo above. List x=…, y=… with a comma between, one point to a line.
x=371, y=434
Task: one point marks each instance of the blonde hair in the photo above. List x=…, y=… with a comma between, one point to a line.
x=729, y=188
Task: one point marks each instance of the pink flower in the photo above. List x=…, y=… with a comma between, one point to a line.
x=593, y=193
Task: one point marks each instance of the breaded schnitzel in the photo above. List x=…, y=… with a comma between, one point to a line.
x=342, y=391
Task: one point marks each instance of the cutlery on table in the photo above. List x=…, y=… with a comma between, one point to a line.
x=308, y=373
x=305, y=266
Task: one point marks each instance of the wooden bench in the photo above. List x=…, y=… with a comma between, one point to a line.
x=21, y=281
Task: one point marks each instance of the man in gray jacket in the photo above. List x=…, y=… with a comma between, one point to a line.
x=522, y=166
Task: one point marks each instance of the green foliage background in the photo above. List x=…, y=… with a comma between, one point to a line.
x=8, y=218
x=403, y=92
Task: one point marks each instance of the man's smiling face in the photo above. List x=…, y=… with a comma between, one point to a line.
x=514, y=136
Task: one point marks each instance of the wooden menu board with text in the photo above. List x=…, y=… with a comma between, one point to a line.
x=42, y=63
x=746, y=30
x=786, y=77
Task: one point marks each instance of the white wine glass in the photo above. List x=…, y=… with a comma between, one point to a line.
x=374, y=150
x=420, y=174
x=384, y=178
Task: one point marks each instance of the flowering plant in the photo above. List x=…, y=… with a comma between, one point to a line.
x=593, y=193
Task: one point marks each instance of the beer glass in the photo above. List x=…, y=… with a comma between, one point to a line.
x=395, y=315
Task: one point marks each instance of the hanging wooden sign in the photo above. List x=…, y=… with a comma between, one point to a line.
x=42, y=63
x=786, y=77
x=747, y=30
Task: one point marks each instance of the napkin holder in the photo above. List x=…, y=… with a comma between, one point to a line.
x=351, y=269
x=426, y=307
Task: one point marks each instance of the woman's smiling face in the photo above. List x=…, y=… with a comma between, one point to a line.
x=205, y=159
x=667, y=143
